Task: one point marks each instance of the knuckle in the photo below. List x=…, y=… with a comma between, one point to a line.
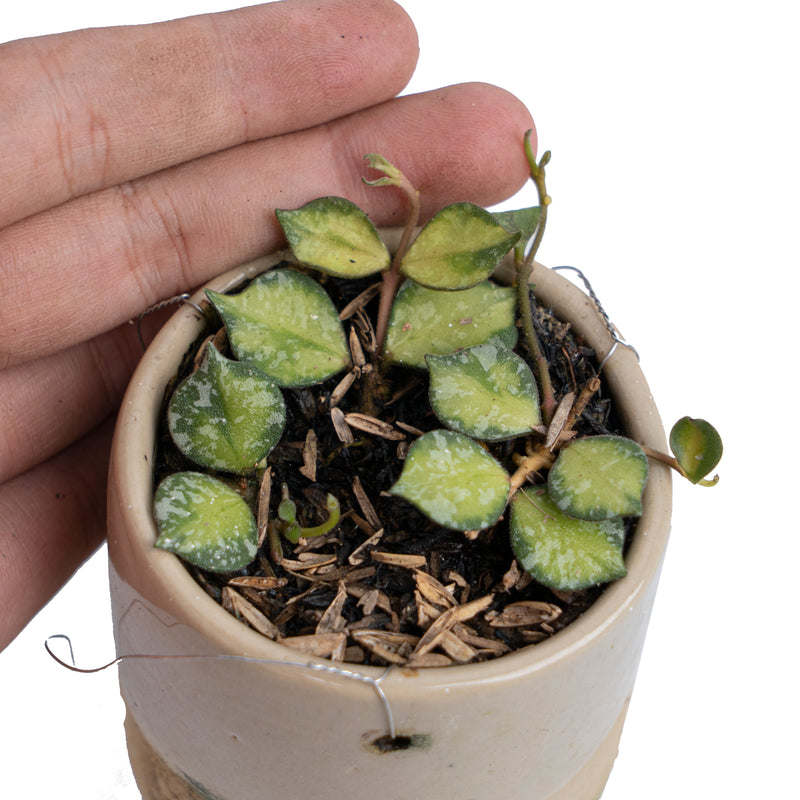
x=155, y=247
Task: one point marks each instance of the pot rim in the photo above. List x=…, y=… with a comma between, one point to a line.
x=133, y=456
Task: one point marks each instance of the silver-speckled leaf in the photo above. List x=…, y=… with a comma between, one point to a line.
x=599, y=477
x=205, y=522
x=335, y=235
x=487, y=392
x=285, y=324
x=226, y=415
x=453, y=481
x=560, y=551
x=430, y=322
x=458, y=248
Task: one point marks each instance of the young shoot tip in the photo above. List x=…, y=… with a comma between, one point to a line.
x=529, y=154
x=393, y=176
x=293, y=531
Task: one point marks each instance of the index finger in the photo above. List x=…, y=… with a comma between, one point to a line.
x=86, y=110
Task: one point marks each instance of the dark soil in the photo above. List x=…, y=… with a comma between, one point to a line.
x=374, y=605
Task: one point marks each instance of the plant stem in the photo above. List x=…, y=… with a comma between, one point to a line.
x=527, y=465
x=671, y=461
x=657, y=455
x=392, y=277
x=524, y=270
x=389, y=287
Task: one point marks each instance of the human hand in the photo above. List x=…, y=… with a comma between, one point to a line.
x=136, y=163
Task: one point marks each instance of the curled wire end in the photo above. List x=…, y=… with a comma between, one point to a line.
x=612, y=331
x=182, y=299
x=72, y=666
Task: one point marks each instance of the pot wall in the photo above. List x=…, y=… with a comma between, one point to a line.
x=543, y=722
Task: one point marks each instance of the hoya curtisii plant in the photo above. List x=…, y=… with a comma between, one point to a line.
x=438, y=311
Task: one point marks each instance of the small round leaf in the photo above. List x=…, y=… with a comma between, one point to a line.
x=286, y=324
x=335, y=235
x=430, y=322
x=486, y=392
x=453, y=481
x=226, y=415
x=697, y=447
x=599, y=477
x=458, y=248
x=560, y=551
x=205, y=522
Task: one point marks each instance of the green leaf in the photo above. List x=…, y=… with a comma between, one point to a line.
x=336, y=236
x=453, y=481
x=524, y=220
x=599, y=477
x=697, y=447
x=286, y=324
x=205, y=522
x=429, y=322
x=226, y=415
x=458, y=248
x=562, y=552
x=486, y=392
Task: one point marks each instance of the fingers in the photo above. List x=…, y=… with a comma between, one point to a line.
x=90, y=109
x=92, y=263
x=49, y=403
x=51, y=519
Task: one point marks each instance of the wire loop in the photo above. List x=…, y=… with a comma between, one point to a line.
x=612, y=331
x=182, y=299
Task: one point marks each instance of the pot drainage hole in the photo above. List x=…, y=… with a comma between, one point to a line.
x=393, y=744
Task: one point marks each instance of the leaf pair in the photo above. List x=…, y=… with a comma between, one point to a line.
x=226, y=416
x=285, y=324
x=569, y=534
x=457, y=249
x=485, y=392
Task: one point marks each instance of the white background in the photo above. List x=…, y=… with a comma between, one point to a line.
x=674, y=136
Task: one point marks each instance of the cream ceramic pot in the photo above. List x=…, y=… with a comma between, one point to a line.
x=541, y=723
